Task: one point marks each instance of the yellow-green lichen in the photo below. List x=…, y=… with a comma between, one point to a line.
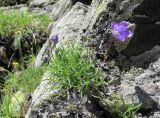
x=101, y=7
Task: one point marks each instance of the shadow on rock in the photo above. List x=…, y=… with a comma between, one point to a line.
x=146, y=35
x=144, y=98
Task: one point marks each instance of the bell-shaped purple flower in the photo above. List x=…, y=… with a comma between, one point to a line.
x=121, y=30
x=55, y=38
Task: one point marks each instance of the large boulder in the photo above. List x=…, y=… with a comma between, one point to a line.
x=133, y=68
x=145, y=15
x=70, y=26
x=143, y=88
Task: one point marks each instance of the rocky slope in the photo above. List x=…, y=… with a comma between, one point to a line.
x=132, y=66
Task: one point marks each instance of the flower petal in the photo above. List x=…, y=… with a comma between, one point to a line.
x=130, y=34
x=115, y=34
x=123, y=35
x=121, y=31
x=122, y=26
x=55, y=38
x=114, y=25
x=125, y=23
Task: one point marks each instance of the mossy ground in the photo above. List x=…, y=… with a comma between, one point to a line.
x=21, y=33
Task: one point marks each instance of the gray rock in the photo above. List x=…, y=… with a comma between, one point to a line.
x=48, y=101
x=137, y=12
x=151, y=115
x=143, y=90
x=43, y=92
x=137, y=85
x=41, y=6
x=40, y=3
x=41, y=10
x=61, y=7
x=69, y=27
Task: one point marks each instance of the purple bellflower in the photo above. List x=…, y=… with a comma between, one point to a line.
x=55, y=38
x=121, y=30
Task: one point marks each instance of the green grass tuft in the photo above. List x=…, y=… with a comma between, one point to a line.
x=17, y=87
x=72, y=68
x=15, y=22
x=22, y=31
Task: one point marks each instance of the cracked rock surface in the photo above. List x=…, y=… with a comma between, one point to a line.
x=133, y=68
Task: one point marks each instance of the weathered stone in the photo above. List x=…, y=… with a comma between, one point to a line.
x=43, y=92
x=40, y=3
x=69, y=27
x=61, y=7
x=140, y=92
x=41, y=6
x=146, y=33
x=49, y=101
x=139, y=85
